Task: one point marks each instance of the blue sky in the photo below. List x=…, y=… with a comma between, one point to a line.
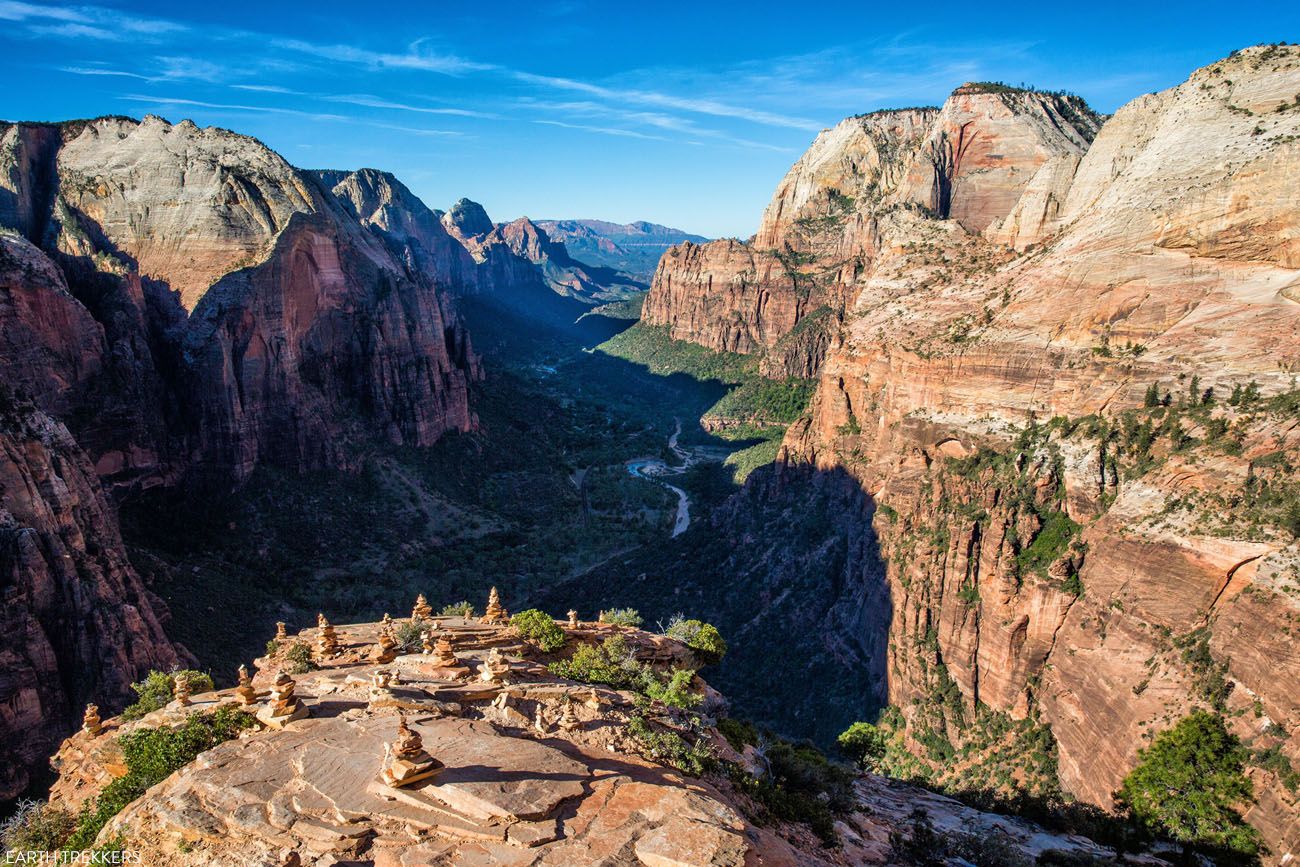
x=681, y=113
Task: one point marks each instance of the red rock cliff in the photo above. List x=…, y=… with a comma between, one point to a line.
x=76, y=624
x=1108, y=572
x=820, y=235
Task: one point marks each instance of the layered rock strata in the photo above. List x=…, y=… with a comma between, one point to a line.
x=1082, y=573
x=819, y=238
x=508, y=790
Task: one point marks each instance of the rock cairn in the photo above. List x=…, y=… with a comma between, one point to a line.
x=494, y=614
x=385, y=649
x=573, y=619
x=444, y=655
x=181, y=689
x=281, y=634
x=405, y=760
x=283, y=707
x=245, y=692
x=327, y=642
x=91, y=724
x=426, y=642
x=569, y=721
x=422, y=610
x=495, y=667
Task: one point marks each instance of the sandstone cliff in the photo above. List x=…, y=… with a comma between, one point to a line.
x=1100, y=574
x=519, y=261
x=77, y=622
x=190, y=305
x=330, y=287
x=820, y=235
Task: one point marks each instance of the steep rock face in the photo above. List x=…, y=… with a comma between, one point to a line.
x=565, y=275
x=184, y=205
x=138, y=211
x=294, y=359
x=414, y=232
x=77, y=624
x=50, y=345
x=320, y=322
x=1173, y=264
x=632, y=248
x=820, y=236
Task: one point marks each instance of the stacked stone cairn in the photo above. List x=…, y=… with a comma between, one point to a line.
x=283, y=707
x=405, y=761
x=91, y=724
x=495, y=614
x=245, y=692
x=422, y=610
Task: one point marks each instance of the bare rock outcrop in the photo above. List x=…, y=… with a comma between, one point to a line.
x=76, y=624
x=820, y=237
x=530, y=769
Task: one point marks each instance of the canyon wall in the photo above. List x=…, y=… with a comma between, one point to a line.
x=77, y=623
x=820, y=235
x=180, y=305
x=1103, y=573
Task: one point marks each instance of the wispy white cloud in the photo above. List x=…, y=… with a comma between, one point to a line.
x=95, y=70
x=604, y=130
x=369, y=101
x=268, y=88
x=225, y=106
x=414, y=58
x=664, y=100
x=85, y=22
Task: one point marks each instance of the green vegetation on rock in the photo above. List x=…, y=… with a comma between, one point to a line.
x=152, y=755
x=1189, y=785
x=538, y=628
x=156, y=690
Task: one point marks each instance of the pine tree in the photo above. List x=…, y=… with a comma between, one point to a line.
x=1188, y=784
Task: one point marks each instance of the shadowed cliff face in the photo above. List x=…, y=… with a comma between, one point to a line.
x=77, y=623
x=189, y=306
x=315, y=312
x=1109, y=571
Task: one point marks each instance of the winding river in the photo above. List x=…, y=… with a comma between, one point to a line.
x=654, y=469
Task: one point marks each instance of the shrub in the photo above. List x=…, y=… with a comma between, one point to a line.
x=622, y=617
x=538, y=628
x=670, y=748
x=299, y=658
x=801, y=785
x=408, y=636
x=738, y=733
x=1188, y=784
x=675, y=691
x=151, y=756
x=36, y=826
x=155, y=690
x=702, y=638
x=863, y=743
x=458, y=609
x=612, y=663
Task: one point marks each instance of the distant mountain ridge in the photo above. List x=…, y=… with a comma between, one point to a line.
x=633, y=248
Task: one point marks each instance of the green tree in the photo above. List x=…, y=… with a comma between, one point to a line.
x=864, y=743
x=1188, y=784
x=1152, y=398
